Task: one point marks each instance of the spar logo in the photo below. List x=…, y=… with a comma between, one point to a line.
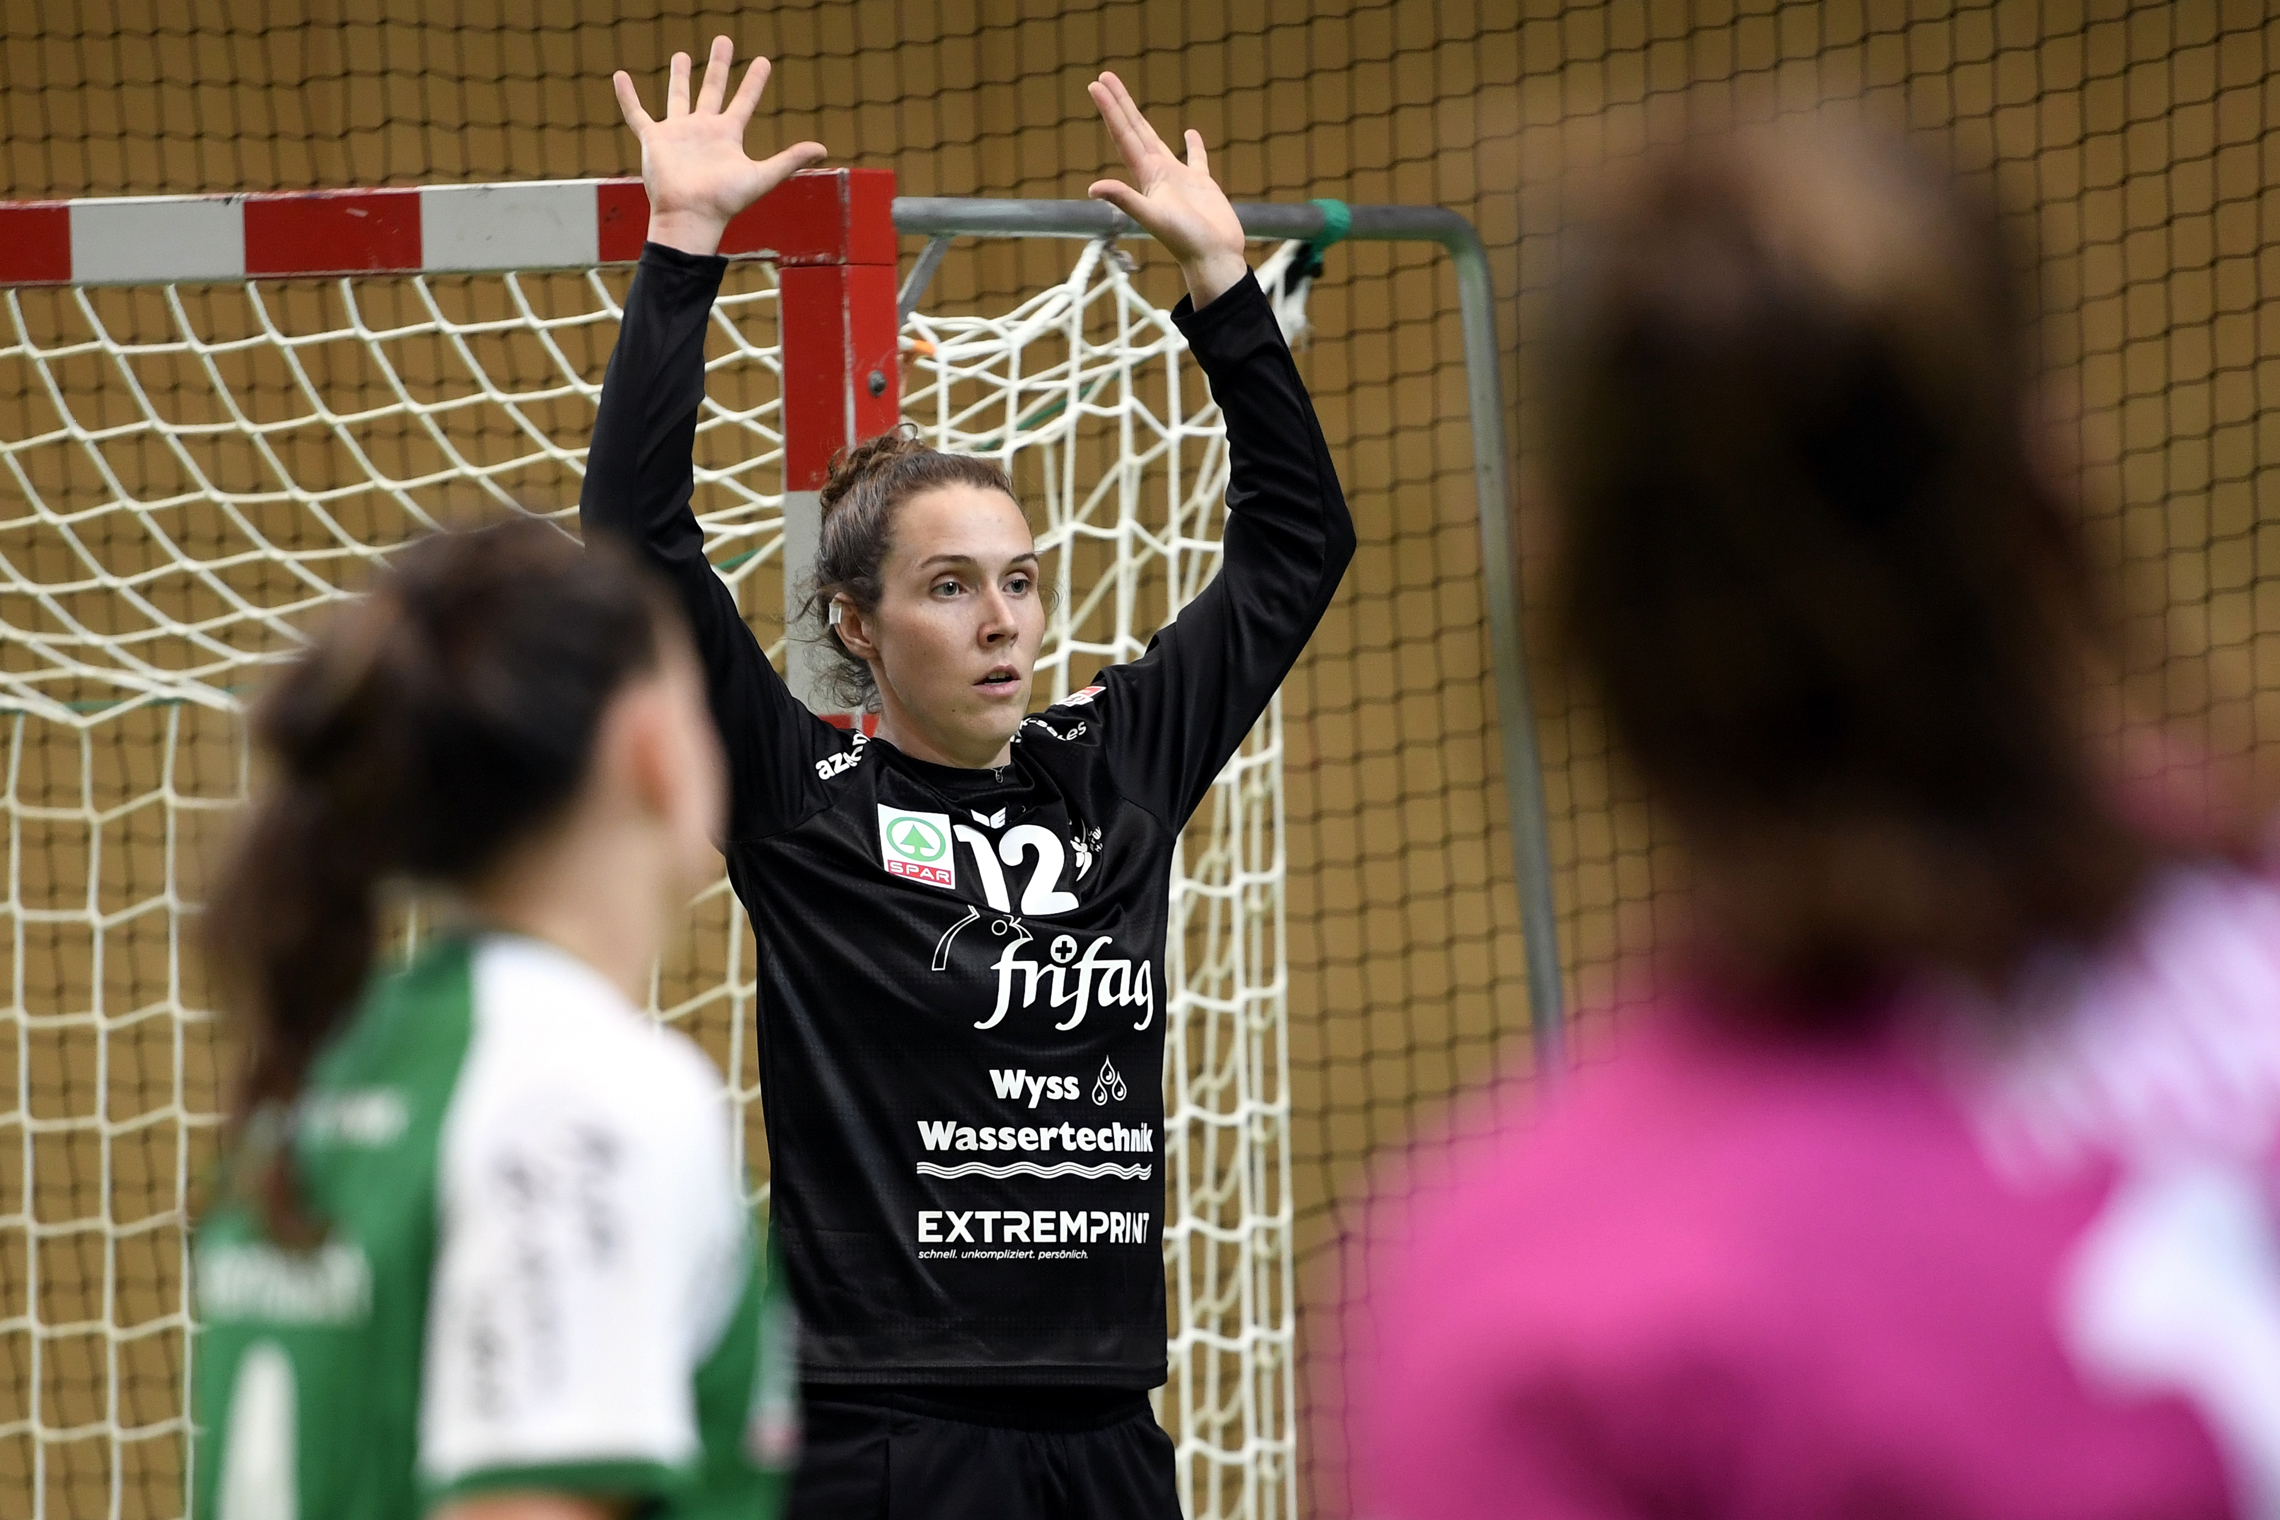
x=917, y=846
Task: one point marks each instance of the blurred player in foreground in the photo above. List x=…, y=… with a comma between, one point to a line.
x=483, y=1250
x=1939, y=1178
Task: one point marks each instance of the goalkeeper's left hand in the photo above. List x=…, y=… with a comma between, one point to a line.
x=1177, y=204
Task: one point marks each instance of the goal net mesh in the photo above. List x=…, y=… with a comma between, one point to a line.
x=190, y=476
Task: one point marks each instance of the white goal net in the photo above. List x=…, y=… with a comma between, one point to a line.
x=189, y=474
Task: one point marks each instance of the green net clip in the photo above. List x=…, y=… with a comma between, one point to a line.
x=1337, y=222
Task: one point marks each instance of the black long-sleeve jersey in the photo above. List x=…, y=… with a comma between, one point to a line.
x=962, y=994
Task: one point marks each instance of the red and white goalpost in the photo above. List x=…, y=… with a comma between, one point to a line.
x=829, y=234
x=218, y=413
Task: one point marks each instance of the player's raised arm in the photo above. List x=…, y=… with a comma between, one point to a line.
x=1179, y=711
x=640, y=474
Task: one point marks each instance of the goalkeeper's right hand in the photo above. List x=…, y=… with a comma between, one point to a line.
x=693, y=162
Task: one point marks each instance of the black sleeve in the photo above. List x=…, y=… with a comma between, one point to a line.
x=640, y=476
x=1171, y=718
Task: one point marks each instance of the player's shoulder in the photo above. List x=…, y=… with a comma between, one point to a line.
x=832, y=750
x=1076, y=718
x=547, y=1024
x=2158, y=1043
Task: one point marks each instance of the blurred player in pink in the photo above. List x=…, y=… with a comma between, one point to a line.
x=1938, y=1180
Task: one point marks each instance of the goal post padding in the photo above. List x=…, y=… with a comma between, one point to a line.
x=218, y=413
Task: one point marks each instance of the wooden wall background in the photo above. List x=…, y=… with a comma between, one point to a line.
x=2136, y=142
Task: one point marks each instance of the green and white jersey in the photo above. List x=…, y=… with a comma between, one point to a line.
x=539, y=1272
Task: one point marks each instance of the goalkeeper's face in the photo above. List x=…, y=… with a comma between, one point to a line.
x=953, y=640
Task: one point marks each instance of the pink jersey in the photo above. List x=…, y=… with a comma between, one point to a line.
x=1736, y=1276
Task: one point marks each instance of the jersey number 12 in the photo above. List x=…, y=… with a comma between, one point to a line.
x=1041, y=896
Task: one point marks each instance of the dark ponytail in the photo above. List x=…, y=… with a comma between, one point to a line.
x=434, y=722
x=1838, y=617
x=867, y=483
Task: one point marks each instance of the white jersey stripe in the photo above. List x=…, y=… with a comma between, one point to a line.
x=1131, y=1172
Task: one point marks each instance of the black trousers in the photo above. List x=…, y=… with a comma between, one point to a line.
x=944, y=1454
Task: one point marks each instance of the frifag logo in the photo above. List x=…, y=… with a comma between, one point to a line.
x=917, y=846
